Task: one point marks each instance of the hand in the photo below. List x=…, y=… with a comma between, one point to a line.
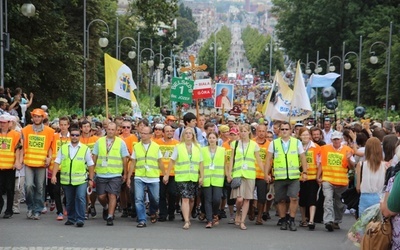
x=128, y=183
x=31, y=95
x=54, y=179
x=319, y=180
x=47, y=162
x=90, y=183
x=201, y=181
x=18, y=166
x=268, y=179
x=229, y=179
x=165, y=179
x=304, y=177
x=124, y=178
x=353, y=135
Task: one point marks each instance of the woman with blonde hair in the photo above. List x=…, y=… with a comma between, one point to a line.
x=188, y=162
x=242, y=166
x=370, y=175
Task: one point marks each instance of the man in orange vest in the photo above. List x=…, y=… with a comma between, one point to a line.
x=37, y=157
x=167, y=144
x=335, y=160
x=10, y=159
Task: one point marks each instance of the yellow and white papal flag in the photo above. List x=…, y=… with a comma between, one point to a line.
x=119, y=79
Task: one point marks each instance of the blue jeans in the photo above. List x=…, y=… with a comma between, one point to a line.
x=153, y=190
x=76, y=202
x=367, y=200
x=35, y=188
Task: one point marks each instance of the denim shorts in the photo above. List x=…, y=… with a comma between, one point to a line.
x=367, y=200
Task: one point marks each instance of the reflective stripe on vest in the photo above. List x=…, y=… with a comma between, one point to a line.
x=334, y=165
x=73, y=171
x=187, y=169
x=286, y=166
x=244, y=167
x=311, y=157
x=214, y=177
x=36, y=145
x=147, y=162
x=114, y=159
x=7, y=149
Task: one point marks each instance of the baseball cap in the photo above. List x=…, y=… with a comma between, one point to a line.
x=234, y=130
x=337, y=135
x=298, y=124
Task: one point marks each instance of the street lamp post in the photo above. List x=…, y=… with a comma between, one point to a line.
x=213, y=46
x=374, y=59
x=344, y=64
x=103, y=42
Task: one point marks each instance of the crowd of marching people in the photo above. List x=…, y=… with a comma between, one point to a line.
x=203, y=166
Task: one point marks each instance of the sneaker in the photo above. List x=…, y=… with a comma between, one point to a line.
x=29, y=214
x=68, y=223
x=52, y=206
x=284, y=225
x=231, y=220
x=110, y=221
x=44, y=210
x=79, y=224
x=329, y=226
x=16, y=211
x=222, y=213
x=292, y=225
x=7, y=216
x=93, y=212
x=36, y=216
x=60, y=216
x=280, y=222
x=266, y=216
x=105, y=214
x=336, y=226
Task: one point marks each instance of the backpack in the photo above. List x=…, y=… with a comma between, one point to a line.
x=391, y=171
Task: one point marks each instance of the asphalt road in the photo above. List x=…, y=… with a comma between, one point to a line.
x=47, y=232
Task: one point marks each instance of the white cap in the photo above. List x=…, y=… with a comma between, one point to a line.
x=44, y=107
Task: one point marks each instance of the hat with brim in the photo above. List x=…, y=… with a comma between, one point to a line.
x=5, y=118
x=337, y=135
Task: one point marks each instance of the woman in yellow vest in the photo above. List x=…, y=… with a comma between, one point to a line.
x=213, y=182
x=188, y=162
x=242, y=165
x=309, y=188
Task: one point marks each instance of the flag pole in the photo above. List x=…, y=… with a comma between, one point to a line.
x=106, y=103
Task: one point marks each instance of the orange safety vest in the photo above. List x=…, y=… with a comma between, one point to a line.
x=57, y=144
x=36, y=145
x=311, y=155
x=263, y=155
x=166, y=149
x=228, y=150
x=89, y=141
x=8, y=144
x=334, y=164
x=130, y=141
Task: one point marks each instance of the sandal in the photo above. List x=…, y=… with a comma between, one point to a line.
x=215, y=221
x=311, y=225
x=259, y=222
x=243, y=226
x=238, y=218
x=186, y=225
x=209, y=224
x=153, y=218
x=303, y=224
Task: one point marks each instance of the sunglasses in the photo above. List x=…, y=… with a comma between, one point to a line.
x=158, y=129
x=283, y=129
x=74, y=135
x=124, y=127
